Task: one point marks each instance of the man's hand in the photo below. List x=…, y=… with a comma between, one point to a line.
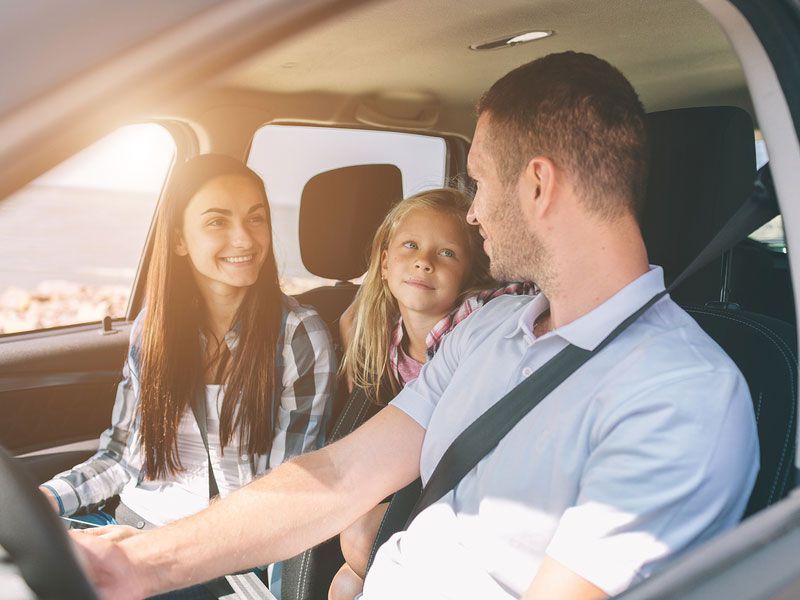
x=108, y=567
x=112, y=533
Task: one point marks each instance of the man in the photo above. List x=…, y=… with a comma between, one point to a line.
x=647, y=450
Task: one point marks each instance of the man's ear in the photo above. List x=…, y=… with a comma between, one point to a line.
x=179, y=245
x=538, y=184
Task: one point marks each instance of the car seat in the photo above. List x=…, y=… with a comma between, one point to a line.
x=687, y=202
x=339, y=213
x=702, y=169
x=340, y=210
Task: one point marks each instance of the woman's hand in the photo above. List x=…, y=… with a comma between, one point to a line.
x=51, y=499
x=114, y=533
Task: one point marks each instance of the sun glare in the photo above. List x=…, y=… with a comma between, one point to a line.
x=133, y=158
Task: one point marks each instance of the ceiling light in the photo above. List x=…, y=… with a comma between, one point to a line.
x=512, y=40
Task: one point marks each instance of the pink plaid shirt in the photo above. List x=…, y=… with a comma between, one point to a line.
x=403, y=366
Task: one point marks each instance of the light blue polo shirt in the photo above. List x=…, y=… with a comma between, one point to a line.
x=647, y=450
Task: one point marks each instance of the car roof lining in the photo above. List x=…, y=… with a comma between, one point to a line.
x=673, y=51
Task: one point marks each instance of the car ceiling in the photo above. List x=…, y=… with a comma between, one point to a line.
x=400, y=64
x=410, y=59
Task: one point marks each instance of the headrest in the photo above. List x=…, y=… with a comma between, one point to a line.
x=340, y=210
x=702, y=167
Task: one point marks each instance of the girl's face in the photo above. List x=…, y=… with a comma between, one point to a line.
x=225, y=234
x=427, y=262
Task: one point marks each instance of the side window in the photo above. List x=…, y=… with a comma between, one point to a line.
x=288, y=156
x=71, y=240
x=770, y=234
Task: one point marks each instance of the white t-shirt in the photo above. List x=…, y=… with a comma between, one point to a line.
x=647, y=450
x=185, y=493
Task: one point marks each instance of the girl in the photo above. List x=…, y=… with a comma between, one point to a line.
x=226, y=377
x=427, y=273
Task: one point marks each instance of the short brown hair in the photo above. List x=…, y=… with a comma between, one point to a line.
x=583, y=114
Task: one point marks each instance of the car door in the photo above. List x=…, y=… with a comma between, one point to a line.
x=73, y=240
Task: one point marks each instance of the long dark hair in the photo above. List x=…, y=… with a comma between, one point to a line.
x=172, y=363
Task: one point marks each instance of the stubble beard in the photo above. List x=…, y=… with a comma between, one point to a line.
x=517, y=254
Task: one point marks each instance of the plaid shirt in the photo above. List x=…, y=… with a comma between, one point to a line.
x=308, y=366
x=434, y=338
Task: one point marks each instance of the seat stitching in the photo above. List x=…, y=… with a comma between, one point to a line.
x=785, y=352
x=341, y=421
x=383, y=525
x=343, y=417
x=361, y=414
x=767, y=332
x=301, y=589
x=758, y=408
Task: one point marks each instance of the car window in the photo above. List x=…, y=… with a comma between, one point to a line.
x=288, y=156
x=769, y=234
x=71, y=240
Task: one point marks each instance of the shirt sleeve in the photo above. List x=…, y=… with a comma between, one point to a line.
x=659, y=479
x=309, y=372
x=418, y=399
x=108, y=470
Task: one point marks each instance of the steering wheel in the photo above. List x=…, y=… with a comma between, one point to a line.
x=34, y=537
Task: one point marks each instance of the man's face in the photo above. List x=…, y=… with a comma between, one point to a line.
x=515, y=251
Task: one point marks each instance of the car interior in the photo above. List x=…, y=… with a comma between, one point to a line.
x=411, y=66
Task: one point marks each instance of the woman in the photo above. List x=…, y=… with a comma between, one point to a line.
x=226, y=377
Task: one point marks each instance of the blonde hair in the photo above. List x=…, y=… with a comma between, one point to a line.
x=366, y=359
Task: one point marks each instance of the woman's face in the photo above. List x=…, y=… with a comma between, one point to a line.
x=225, y=234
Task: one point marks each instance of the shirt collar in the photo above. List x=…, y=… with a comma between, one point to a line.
x=529, y=314
x=593, y=327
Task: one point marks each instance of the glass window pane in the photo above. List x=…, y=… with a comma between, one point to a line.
x=72, y=238
x=288, y=156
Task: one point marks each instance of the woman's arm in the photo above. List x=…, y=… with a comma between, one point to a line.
x=106, y=473
x=309, y=373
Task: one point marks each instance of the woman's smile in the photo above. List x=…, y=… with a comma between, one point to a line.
x=244, y=259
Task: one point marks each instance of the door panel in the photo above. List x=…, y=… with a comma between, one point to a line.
x=57, y=388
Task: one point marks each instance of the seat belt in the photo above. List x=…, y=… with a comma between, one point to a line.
x=483, y=435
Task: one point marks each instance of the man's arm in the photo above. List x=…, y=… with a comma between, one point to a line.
x=555, y=581
x=299, y=504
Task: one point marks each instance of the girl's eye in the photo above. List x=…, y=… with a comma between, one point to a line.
x=410, y=245
x=447, y=252
x=258, y=219
x=216, y=222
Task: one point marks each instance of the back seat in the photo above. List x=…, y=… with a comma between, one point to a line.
x=340, y=210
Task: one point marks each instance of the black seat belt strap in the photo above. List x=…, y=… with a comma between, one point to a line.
x=480, y=438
